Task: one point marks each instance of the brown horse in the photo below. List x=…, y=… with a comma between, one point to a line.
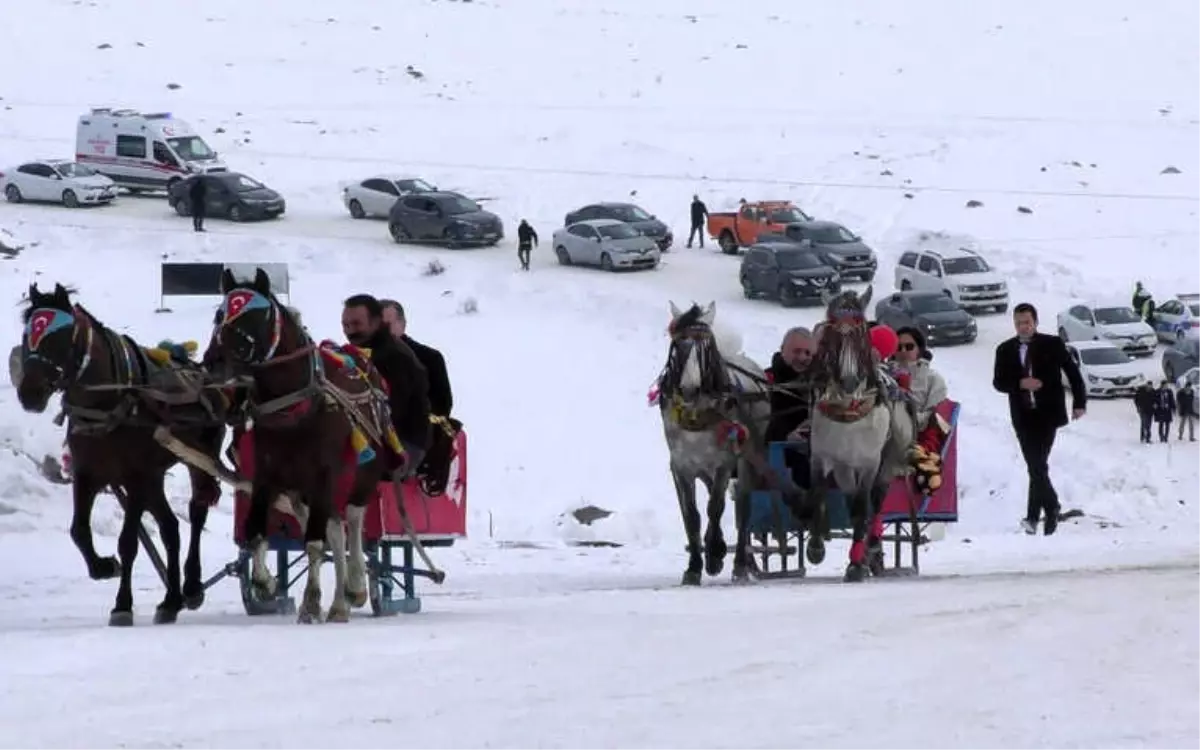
x=114, y=399
x=305, y=402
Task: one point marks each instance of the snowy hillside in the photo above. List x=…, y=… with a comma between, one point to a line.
x=1061, y=120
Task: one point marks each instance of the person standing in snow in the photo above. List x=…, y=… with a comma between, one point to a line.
x=1185, y=400
x=699, y=214
x=527, y=239
x=1143, y=400
x=1164, y=410
x=1028, y=369
x=198, y=198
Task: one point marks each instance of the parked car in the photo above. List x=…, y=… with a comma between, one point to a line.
x=1107, y=371
x=229, y=195
x=787, y=272
x=57, y=181
x=1191, y=376
x=742, y=228
x=938, y=317
x=963, y=274
x=375, y=196
x=841, y=248
x=445, y=217
x=1180, y=357
x=634, y=215
x=1114, y=322
x=1178, y=318
x=608, y=243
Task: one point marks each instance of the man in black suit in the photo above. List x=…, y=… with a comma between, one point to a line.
x=441, y=400
x=1029, y=370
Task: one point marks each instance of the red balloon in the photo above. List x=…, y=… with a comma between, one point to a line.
x=885, y=341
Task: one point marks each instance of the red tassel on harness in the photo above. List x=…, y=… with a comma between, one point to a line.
x=733, y=434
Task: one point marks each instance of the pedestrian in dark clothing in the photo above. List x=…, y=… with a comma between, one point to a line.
x=1029, y=369
x=527, y=239
x=408, y=384
x=198, y=202
x=699, y=214
x=1164, y=410
x=1144, y=399
x=1185, y=400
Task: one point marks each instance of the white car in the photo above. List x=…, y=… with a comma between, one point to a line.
x=57, y=181
x=963, y=274
x=1178, y=318
x=1113, y=322
x=376, y=195
x=1107, y=371
x=608, y=243
x=1191, y=376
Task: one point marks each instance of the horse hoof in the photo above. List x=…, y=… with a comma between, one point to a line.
x=120, y=619
x=165, y=616
x=264, y=591
x=356, y=599
x=814, y=550
x=308, y=618
x=193, y=601
x=714, y=565
x=691, y=578
x=105, y=568
x=855, y=573
x=741, y=576
x=337, y=614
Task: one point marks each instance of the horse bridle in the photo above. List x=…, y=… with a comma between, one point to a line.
x=78, y=361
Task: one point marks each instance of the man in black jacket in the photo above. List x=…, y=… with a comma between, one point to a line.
x=699, y=214
x=441, y=399
x=527, y=239
x=1029, y=369
x=789, y=402
x=198, y=202
x=408, y=384
x=1143, y=400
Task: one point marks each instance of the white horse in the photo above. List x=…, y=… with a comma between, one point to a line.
x=714, y=408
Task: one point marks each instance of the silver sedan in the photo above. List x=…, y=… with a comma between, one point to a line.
x=607, y=243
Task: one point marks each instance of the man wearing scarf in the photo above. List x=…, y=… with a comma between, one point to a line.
x=1029, y=369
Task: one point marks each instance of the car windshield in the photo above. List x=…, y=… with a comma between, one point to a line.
x=416, y=186
x=970, y=264
x=617, y=231
x=1108, y=316
x=798, y=261
x=243, y=184
x=1104, y=356
x=191, y=148
x=454, y=205
x=786, y=215
x=830, y=235
x=1195, y=308
x=931, y=303
x=70, y=169
x=630, y=213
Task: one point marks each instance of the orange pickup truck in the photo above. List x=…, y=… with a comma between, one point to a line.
x=737, y=229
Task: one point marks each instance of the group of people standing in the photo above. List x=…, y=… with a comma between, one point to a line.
x=1160, y=406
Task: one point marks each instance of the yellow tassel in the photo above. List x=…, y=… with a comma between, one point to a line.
x=358, y=441
x=158, y=356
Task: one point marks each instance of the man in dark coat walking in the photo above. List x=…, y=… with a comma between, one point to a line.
x=1164, y=410
x=1143, y=400
x=408, y=384
x=1029, y=369
x=1185, y=400
x=198, y=202
x=527, y=239
x=699, y=214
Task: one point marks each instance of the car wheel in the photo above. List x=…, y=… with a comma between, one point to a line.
x=69, y=199
x=399, y=233
x=747, y=288
x=728, y=243
x=235, y=213
x=564, y=259
x=606, y=262
x=785, y=295
x=1062, y=334
x=13, y=194
x=182, y=208
x=356, y=210
x=906, y=286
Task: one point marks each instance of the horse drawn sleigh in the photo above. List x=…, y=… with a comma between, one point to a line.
x=313, y=466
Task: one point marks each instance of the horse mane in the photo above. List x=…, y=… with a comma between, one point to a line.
x=713, y=376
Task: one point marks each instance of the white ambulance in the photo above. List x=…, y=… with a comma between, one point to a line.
x=142, y=151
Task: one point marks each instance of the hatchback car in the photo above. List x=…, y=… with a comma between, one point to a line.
x=1180, y=357
x=57, y=181
x=940, y=319
x=1107, y=371
x=375, y=196
x=607, y=243
x=229, y=195
x=443, y=217
x=787, y=272
x=1116, y=323
x=631, y=214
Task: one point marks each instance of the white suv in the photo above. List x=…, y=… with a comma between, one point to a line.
x=962, y=274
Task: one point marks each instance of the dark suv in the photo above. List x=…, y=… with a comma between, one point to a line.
x=787, y=272
x=449, y=218
x=229, y=195
x=841, y=248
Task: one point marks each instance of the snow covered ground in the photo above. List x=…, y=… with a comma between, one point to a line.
x=887, y=118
